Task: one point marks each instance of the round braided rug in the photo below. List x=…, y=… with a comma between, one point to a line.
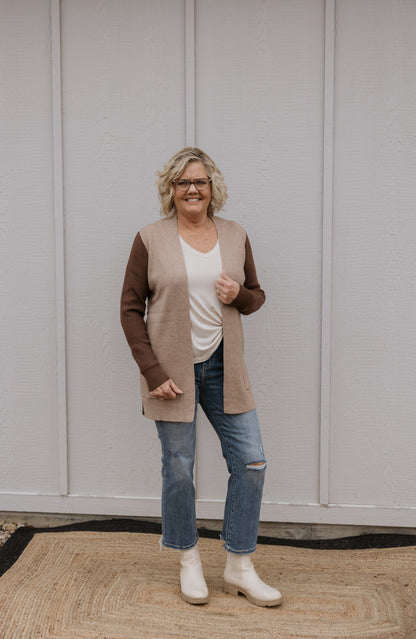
x=101, y=585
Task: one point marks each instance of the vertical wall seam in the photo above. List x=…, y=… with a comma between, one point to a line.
x=59, y=245
x=327, y=240
x=190, y=108
x=190, y=72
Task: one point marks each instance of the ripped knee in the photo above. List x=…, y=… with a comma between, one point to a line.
x=256, y=465
x=175, y=453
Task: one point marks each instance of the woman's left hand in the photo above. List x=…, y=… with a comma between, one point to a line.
x=227, y=289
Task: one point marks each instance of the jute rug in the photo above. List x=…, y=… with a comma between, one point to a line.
x=106, y=585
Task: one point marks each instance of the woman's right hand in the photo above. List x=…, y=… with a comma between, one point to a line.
x=167, y=390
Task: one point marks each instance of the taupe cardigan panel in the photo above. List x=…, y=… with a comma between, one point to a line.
x=156, y=282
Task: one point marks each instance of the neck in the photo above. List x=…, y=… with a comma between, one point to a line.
x=200, y=222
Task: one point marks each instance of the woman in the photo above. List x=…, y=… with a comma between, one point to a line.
x=194, y=274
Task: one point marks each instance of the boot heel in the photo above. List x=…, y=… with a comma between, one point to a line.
x=230, y=589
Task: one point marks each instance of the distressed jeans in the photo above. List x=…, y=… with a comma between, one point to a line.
x=243, y=452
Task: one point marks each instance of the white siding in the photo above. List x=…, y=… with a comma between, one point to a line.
x=259, y=111
x=374, y=302
x=337, y=409
x=123, y=110
x=28, y=406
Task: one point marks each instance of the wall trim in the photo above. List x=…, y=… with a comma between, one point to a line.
x=56, y=80
x=190, y=73
x=337, y=514
x=327, y=224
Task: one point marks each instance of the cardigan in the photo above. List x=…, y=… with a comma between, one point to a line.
x=156, y=322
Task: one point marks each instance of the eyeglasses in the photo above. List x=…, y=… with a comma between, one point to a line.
x=200, y=185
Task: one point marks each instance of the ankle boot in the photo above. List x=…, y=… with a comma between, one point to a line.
x=193, y=587
x=240, y=576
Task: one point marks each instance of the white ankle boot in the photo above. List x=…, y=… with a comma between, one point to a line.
x=240, y=576
x=193, y=587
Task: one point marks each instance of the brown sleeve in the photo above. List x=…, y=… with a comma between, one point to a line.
x=132, y=311
x=250, y=297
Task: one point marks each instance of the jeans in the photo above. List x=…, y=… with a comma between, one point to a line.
x=243, y=452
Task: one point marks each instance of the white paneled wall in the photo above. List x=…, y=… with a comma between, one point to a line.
x=123, y=110
x=28, y=404
x=374, y=302
x=259, y=110
x=308, y=107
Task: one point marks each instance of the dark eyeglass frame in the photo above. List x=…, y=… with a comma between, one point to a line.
x=185, y=185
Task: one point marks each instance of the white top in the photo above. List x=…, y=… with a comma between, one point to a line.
x=203, y=269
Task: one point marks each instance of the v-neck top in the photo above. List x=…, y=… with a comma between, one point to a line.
x=205, y=311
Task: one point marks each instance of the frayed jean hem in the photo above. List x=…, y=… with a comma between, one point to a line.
x=234, y=551
x=167, y=544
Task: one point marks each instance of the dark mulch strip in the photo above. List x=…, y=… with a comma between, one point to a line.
x=15, y=545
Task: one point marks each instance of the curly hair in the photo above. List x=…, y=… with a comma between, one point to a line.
x=174, y=169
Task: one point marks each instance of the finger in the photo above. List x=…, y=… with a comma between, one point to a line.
x=167, y=391
x=160, y=391
x=175, y=388
x=158, y=394
x=169, y=394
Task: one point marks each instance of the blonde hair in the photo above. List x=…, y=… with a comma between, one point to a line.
x=174, y=169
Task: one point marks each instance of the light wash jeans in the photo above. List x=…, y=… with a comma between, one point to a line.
x=242, y=449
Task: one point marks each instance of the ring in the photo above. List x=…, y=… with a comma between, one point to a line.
x=218, y=291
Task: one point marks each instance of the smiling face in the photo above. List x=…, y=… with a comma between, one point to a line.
x=192, y=204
